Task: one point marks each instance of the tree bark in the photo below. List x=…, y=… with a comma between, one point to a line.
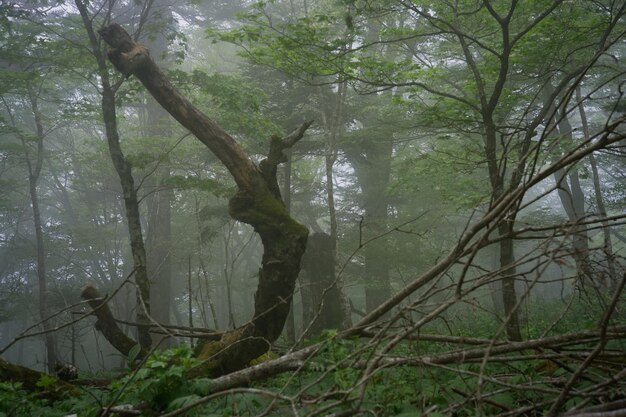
x=159, y=222
x=573, y=200
x=333, y=117
x=509, y=294
x=505, y=229
x=601, y=208
x=30, y=380
x=324, y=305
x=124, y=171
x=159, y=248
x=290, y=326
x=257, y=203
x=107, y=325
x=42, y=279
x=606, y=228
x=372, y=165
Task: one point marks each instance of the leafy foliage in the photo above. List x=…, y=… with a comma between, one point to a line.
x=388, y=82
x=19, y=402
x=160, y=381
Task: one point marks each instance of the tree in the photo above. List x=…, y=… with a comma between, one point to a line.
x=437, y=344
x=34, y=166
x=572, y=198
x=159, y=222
x=370, y=153
x=321, y=296
x=461, y=63
x=27, y=86
x=600, y=205
x=124, y=171
x=257, y=203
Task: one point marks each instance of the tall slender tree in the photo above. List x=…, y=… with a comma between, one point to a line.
x=34, y=165
x=124, y=171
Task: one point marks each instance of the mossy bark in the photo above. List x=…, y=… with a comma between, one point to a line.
x=284, y=241
x=257, y=203
x=30, y=378
x=107, y=325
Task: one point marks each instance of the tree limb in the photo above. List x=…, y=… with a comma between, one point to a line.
x=107, y=325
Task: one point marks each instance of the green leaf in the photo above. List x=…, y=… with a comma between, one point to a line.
x=46, y=381
x=182, y=401
x=132, y=355
x=200, y=386
x=157, y=364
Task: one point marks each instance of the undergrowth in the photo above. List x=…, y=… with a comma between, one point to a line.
x=333, y=381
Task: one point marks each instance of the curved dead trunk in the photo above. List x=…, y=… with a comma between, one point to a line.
x=257, y=203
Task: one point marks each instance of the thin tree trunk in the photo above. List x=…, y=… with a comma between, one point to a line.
x=207, y=284
x=290, y=326
x=335, y=125
x=509, y=293
x=371, y=161
x=507, y=244
x=330, y=194
x=207, y=281
x=124, y=171
x=189, y=293
x=606, y=228
x=573, y=201
x=159, y=224
x=572, y=198
x=257, y=203
x=33, y=178
x=159, y=248
x=228, y=275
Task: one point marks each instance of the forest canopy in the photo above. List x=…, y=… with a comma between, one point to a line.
x=312, y=208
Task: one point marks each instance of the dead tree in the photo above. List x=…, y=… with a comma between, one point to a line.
x=257, y=203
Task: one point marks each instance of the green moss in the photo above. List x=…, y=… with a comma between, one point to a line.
x=265, y=212
x=267, y=356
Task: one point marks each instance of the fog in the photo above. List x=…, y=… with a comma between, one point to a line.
x=451, y=183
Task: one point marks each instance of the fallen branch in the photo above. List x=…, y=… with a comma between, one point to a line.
x=107, y=325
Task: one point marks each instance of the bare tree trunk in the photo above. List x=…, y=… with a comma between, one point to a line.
x=330, y=193
x=124, y=171
x=290, y=326
x=324, y=308
x=507, y=244
x=606, y=228
x=159, y=229
x=42, y=280
x=371, y=161
x=257, y=203
x=190, y=294
x=228, y=271
x=509, y=294
x=334, y=124
x=573, y=200
x=159, y=248
x=332, y=116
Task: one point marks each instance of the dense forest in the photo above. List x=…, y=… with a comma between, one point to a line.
x=313, y=208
